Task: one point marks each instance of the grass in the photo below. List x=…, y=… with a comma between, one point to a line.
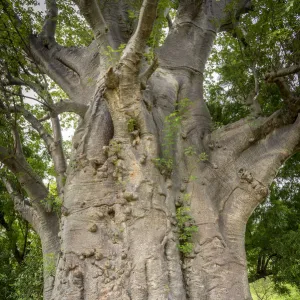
x=263, y=289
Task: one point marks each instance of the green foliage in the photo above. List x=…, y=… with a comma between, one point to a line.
x=72, y=28
x=131, y=125
x=115, y=147
x=186, y=227
x=264, y=289
x=28, y=284
x=172, y=125
x=113, y=55
x=273, y=231
x=21, y=268
x=190, y=151
x=202, y=157
x=265, y=39
x=164, y=165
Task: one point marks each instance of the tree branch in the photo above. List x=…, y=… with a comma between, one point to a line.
x=70, y=106
x=26, y=211
x=228, y=18
x=53, y=144
x=148, y=72
x=270, y=77
x=26, y=176
x=57, y=154
x=38, y=88
x=91, y=11
x=49, y=27
x=147, y=17
x=35, y=123
x=169, y=20
x=292, y=101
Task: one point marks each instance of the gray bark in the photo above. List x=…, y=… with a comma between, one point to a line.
x=118, y=229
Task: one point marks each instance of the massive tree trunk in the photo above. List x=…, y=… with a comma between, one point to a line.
x=120, y=234
x=136, y=185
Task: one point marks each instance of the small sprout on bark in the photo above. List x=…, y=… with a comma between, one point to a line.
x=193, y=178
x=202, y=157
x=132, y=125
x=114, y=55
x=114, y=148
x=190, y=151
x=164, y=165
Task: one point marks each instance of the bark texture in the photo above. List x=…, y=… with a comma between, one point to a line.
x=119, y=232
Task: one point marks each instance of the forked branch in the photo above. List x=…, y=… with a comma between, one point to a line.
x=53, y=144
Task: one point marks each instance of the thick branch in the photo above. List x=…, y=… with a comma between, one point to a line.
x=36, y=124
x=26, y=176
x=38, y=88
x=66, y=78
x=66, y=106
x=70, y=106
x=169, y=20
x=270, y=77
x=228, y=18
x=26, y=211
x=148, y=72
x=49, y=27
x=147, y=17
x=54, y=144
x=57, y=154
x=91, y=11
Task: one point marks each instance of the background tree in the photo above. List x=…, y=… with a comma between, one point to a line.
x=21, y=272
x=154, y=198
x=272, y=237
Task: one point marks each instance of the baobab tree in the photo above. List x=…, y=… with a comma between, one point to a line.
x=154, y=200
